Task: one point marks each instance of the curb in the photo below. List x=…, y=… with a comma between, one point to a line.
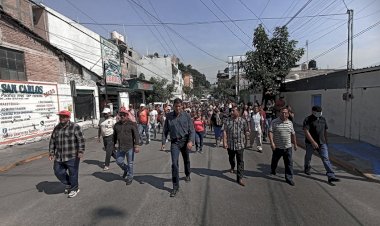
x=344, y=165
x=21, y=162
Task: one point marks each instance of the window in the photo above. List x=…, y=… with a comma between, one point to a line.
x=84, y=104
x=130, y=53
x=316, y=100
x=12, y=65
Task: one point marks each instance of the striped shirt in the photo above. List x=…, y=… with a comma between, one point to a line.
x=282, y=131
x=235, y=130
x=66, y=142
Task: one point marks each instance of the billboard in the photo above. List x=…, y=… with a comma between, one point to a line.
x=27, y=110
x=111, y=62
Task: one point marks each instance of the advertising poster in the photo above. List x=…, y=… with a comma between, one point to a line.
x=111, y=61
x=27, y=110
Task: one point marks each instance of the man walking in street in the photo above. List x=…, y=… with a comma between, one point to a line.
x=106, y=131
x=143, y=122
x=180, y=126
x=66, y=148
x=235, y=130
x=257, y=122
x=281, y=137
x=315, y=128
x=127, y=136
x=153, y=114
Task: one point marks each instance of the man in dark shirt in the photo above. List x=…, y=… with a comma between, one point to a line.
x=127, y=136
x=315, y=128
x=66, y=147
x=180, y=126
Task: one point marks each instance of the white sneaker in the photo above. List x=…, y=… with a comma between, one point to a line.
x=106, y=168
x=72, y=194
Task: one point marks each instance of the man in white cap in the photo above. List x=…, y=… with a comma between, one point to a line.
x=143, y=122
x=106, y=125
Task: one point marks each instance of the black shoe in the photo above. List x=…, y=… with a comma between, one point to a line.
x=333, y=179
x=125, y=174
x=307, y=172
x=187, y=179
x=273, y=172
x=174, y=192
x=147, y=142
x=129, y=182
x=290, y=182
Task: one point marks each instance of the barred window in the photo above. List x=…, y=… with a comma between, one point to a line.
x=12, y=65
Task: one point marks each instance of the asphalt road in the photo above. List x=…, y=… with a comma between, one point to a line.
x=31, y=195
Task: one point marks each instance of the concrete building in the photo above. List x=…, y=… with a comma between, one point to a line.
x=37, y=80
x=349, y=112
x=188, y=80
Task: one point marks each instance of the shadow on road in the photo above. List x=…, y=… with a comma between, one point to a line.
x=106, y=213
x=107, y=176
x=154, y=181
x=213, y=173
x=94, y=162
x=50, y=188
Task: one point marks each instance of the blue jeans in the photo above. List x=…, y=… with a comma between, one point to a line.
x=286, y=154
x=324, y=154
x=177, y=147
x=142, y=128
x=199, y=140
x=128, y=168
x=69, y=179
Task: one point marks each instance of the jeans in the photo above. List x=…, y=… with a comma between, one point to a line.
x=143, y=128
x=176, y=147
x=324, y=154
x=154, y=127
x=286, y=154
x=109, y=148
x=240, y=162
x=199, y=140
x=69, y=179
x=266, y=125
x=128, y=168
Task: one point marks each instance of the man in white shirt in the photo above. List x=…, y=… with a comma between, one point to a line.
x=153, y=122
x=256, y=132
x=106, y=131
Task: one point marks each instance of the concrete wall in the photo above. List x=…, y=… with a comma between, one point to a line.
x=358, y=118
x=77, y=41
x=161, y=66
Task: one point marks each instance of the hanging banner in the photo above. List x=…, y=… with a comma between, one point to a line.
x=27, y=110
x=111, y=62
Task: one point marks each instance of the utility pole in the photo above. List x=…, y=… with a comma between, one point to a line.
x=238, y=82
x=105, y=82
x=350, y=45
x=307, y=54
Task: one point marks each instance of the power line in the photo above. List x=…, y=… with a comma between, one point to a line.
x=262, y=11
x=298, y=12
x=260, y=19
x=209, y=22
x=345, y=4
x=217, y=6
x=178, y=34
x=86, y=15
x=226, y=25
x=167, y=33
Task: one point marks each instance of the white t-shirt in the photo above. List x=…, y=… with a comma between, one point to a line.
x=256, y=121
x=107, y=127
x=153, y=116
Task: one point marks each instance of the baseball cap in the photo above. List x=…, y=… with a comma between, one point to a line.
x=64, y=113
x=142, y=105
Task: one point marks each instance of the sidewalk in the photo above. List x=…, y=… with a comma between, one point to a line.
x=350, y=154
x=20, y=154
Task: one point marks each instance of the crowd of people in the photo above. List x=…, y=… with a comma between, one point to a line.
x=234, y=127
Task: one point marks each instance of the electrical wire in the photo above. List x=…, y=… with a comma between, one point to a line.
x=241, y=2
x=298, y=12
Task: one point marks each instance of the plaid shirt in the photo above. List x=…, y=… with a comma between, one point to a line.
x=66, y=142
x=236, y=131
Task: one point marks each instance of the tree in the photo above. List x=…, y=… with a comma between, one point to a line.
x=142, y=76
x=198, y=78
x=268, y=65
x=224, y=90
x=187, y=91
x=162, y=90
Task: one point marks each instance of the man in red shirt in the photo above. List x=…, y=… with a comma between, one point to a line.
x=143, y=122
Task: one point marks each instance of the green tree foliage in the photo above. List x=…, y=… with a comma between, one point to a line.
x=162, y=90
x=272, y=58
x=224, y=90
x=198, y=78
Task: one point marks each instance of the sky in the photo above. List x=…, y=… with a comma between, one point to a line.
x=206, y=46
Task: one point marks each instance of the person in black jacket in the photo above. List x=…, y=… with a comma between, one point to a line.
x=127, y=136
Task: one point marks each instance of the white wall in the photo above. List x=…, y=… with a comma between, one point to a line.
x=84, y=46
x=161, y=66
x=358, y=118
